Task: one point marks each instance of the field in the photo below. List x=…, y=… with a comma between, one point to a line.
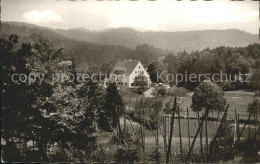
x=237, y=100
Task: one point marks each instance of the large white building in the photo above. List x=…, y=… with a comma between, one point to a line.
x=125, y=71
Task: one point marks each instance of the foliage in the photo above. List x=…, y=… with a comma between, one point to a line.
x=254, y=107
x=129, y=153
x=149, y=107
x=209, y=96
x=45, y=113
x=255, y=81
x=208, y=62
x=249, y=149
x=223, y=143
x=162, y=91
x=104, y=154
x=112, y=108
x=22, y=114
x=141, y=81
x=156, y=155
x=155, y=69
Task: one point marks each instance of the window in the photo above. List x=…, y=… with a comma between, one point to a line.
x=139, y=66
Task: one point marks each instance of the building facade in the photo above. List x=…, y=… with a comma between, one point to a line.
x=125, y=72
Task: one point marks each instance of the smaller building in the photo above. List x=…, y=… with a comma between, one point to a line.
x=125, y=71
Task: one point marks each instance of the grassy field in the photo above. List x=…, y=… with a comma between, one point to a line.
x=236, y=99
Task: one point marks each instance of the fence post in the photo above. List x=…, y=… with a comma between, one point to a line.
x=171, y=132
x=188, y=125
x=255, y=121
x=217, y=122
x=235, y=130
x=201, y=147
x=249, y=130
x=157, y=135
x=238, y=126
x=144, y=135
x=239, y=135
x=180, y=134
x=195, y=125
x=164, y=137
x=207, y=143
x=216, y=135
x=194, y=139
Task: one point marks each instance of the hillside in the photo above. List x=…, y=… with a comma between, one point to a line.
x=84, y=53
x=96, y=47
x=173, y=41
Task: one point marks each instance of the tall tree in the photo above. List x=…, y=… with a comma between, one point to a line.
x=112, y=108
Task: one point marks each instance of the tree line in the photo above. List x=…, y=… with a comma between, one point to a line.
x=229, y=60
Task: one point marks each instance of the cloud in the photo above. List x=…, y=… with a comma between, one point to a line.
x=47, y=16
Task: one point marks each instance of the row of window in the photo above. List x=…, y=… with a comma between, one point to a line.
x=139, y=72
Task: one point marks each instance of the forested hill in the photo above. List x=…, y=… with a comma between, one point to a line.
x=173, y=41
x=93, y=48
x=84, y=53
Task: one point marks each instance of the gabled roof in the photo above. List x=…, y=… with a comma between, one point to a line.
x=125, y=66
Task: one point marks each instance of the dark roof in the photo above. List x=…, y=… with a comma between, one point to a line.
x=125, y=66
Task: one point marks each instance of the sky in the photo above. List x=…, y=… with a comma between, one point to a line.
x=143, y=15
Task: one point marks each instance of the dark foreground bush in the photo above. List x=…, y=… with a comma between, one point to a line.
x=249, y=149
x=129, y=153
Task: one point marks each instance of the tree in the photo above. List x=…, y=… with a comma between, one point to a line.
x=44, y=113
x=152, y=70
x=141, y=81
x=237, y=63
x=254, y=107
x=22, y=117
x=112, y=108
x=155, y=69
x=255, y=82
x=209, y=96
x=172, y=62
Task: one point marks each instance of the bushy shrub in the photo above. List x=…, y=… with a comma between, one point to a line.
x=226, y=85
x=156, y=155
x=249, y=149
x=129, y=153
x=208, y=95
x=254, y=107
x=61, y=154
x=104, y=154
x=223, y=144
